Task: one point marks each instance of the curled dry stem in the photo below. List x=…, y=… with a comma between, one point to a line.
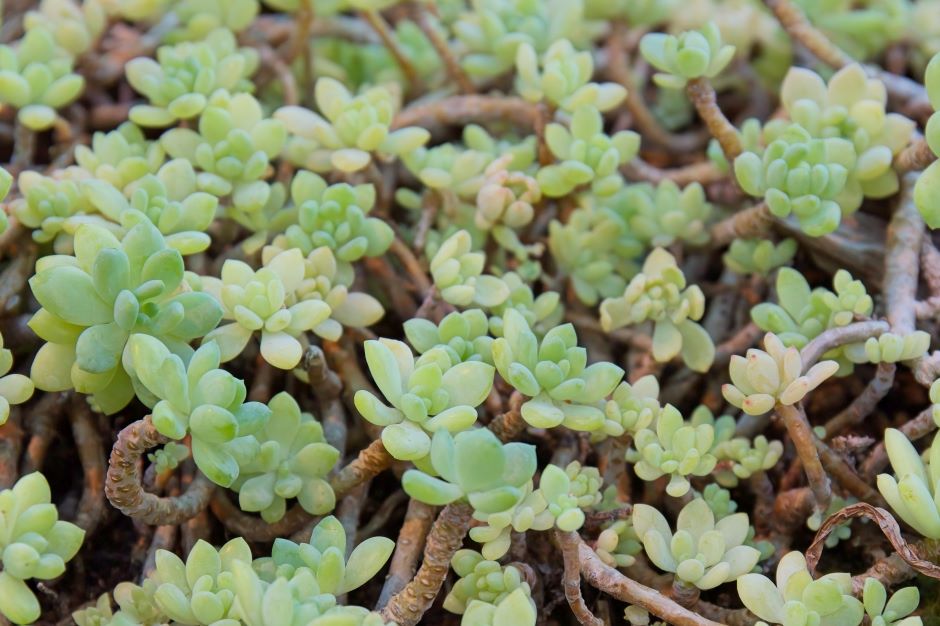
x=703, y=97
x=408, y=606
x=609, y=580
x=888, y=525
x=801, y=433
x=123, y=485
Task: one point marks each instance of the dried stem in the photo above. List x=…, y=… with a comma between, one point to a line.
x=703, y=97
x=11, y=445
x=414, y=531
x=254, y=528
x=124, y=489
x=794, y=21
x=877, y=388
x=756, y=221
x=801, y=433
x=43, y=428
x=463, y=110
x=916, y=156
x=371, y=461
x=702, y=172
x=380, y=26
x=446, y=536
x=902, y=259
x=510, y=424
x=411, y=264
x=443, y=49
x=846, y=476
x=572, y=582
x=839, y=336
x=609, y=580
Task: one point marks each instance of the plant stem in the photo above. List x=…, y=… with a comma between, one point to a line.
x=380, y=26
x=756, y=221
x=917, y=156
x=444, y=51
x=702, y=172
x=902, y=260
x=794, y=21
x=572, y=582
x=877, y=388
x=408, y=606
x=610, y=581
x=839, y=336
x=370, y=462
x=124, y=490
x=411, y=538
x=801, y=433
x=91, y=455
x=462, y=110
x=510, y=424
x=914, y=429
x=702, y=95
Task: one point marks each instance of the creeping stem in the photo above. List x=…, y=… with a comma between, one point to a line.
x=800, y=432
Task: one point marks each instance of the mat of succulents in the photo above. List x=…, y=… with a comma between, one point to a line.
x=470, y=312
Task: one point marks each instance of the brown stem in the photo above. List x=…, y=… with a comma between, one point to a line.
x=380, y=26
x=11, y=445
x=91, y=454
x=389, y=507
x=756, y=221
x=371, y=461
x=446, y=536
x=893, y=570
x=794, y=21
x=43, y=428
x=916, y=156
x=123, y=486
x=463, y=110
x=610, y=581
x=877, y=388
x=902, y=259
x=411, y=264
x=702, y=95
x=728, y=617
x=444, y=51
x=572, y=582
x=801, y=433
x=646, y=123
x=279, y=68
x=846, y=476
x=839, y=336
x=702, y=172
x=510, y=424
x=411, y=538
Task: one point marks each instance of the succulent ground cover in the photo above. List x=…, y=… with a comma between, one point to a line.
x=477, y=312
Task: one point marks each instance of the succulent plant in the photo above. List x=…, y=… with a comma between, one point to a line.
x=802, y=175
x=462, y=334
x=618, y=544
x=692, y=54
x=911, y=490
x=541, y=313
x=53, y=207
x=701, y=552
x=198, y=398
x=804, y=313
x=586, y=155
x=168, y=199
x=554, y=374
x=764, y=379
x=325, y=557
x=458, y=273
x=889, y=348
x=323, y=280
x=928, y=183
x=758, y=256
x=180, y=81
x=569, y=491
x=93, y=302
x=838, y=533
x=293, y=462
x=675, y=449
x=515, y=608
x=231, y=149
x=563, y=80
x=631, y=408
x=595, y=248
x=851, y=106
x=261, y=301
x=427, y=395
x=168, y=457
x=659, y=294
x=36, y=78
x=34, y=543
x=475, y=466
x=14, y=388
x=74, y=27
x=494, y=29
x=448, y=167
x=120, y=156
x=485, y=582
x=797, y=599
x=198, y=18
x=506, y=198
x=893, y=611
x=336, y=217
x=863, y=29
x=350, y=131
x=662, y=215
x=739, y=457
